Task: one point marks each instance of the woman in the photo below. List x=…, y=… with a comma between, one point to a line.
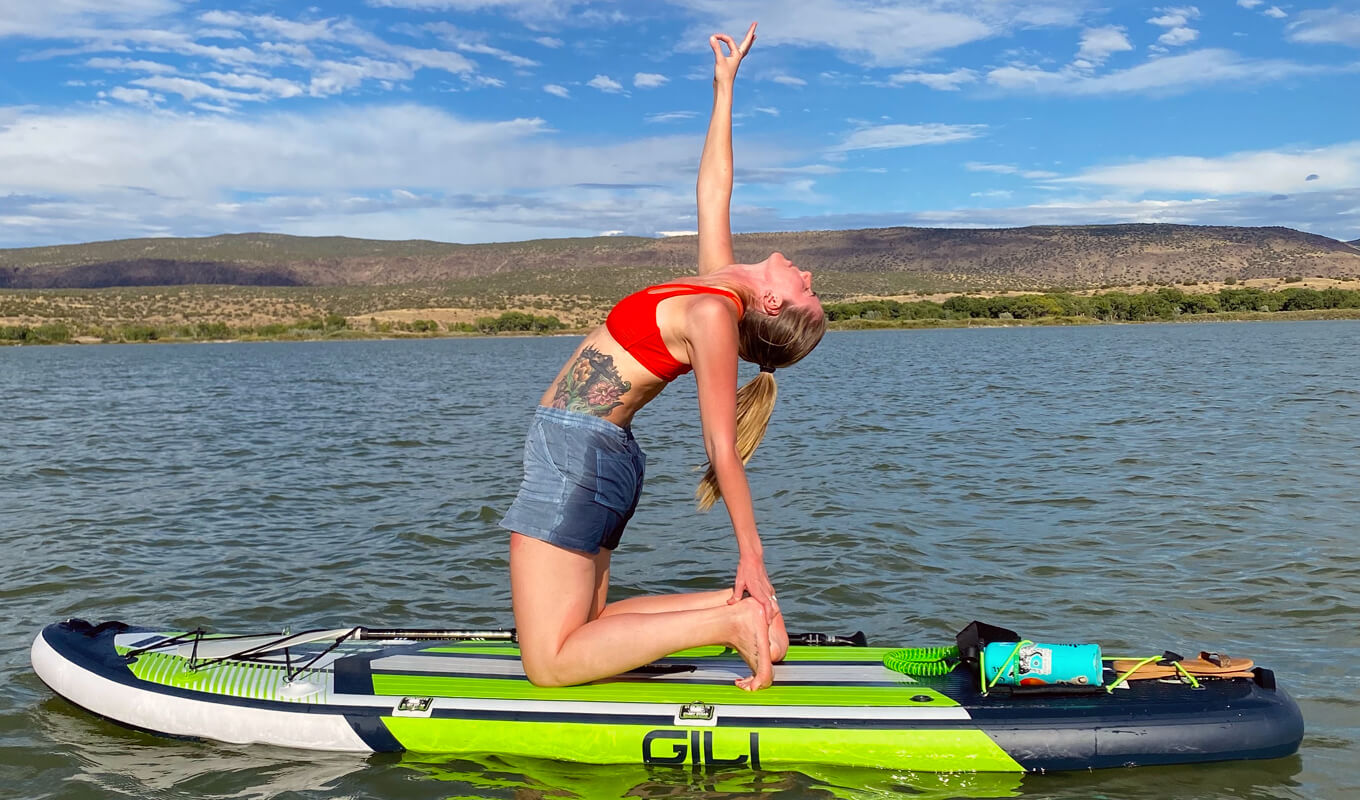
x=583, y=470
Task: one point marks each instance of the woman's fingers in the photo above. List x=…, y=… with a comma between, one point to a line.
x=749, y=40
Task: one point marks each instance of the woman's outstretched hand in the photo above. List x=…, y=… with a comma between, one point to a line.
x=725, y=64
x=751, y=579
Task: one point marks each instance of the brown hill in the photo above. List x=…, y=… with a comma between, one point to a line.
x=881, y=260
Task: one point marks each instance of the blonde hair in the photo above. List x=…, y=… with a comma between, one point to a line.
x=770, y=341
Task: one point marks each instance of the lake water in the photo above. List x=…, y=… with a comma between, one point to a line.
x=1149, y=487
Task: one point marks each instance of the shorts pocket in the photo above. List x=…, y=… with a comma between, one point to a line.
x=547, y=451
x=616, y=481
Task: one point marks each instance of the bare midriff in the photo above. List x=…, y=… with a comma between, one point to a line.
x=603, y=380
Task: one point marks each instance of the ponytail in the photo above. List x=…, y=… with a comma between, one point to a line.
x=770, y=341
x=755, y=404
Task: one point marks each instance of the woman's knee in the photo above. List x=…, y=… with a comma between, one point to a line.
x=540, y=668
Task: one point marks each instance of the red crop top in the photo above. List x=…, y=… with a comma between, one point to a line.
x=632, y=323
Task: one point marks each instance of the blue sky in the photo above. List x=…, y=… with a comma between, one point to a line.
x=499, y=120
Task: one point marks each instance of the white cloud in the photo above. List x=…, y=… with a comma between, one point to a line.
x=649, y=80
x=532, y=10
x=469, y=42
x=1249, y=3
x=558, y=91
x=193, y=90
x=993, y=194
x=549, y=42
x=1326, y=26
x=605, y=84
x=940, y=81
x=334, y=77
x=1178, y=36
x=153, y=67
x=517, y=176
x=297, y=52
x=503, y=55
x=671, y=234
x=353, y=56
x=1176, y=21
x=1008, y=169
x=57, y=18
x=671, y=116
x=430, y=58
x=789, y=80
x=1098, y=44
x=277, y=87
x=272, y=25
x=135, y=97
x=484, y=82
x=1000, y=169
x=1266, y=171
x=1335, y=214
x=219, y=33
x=1164, y=75
x=887, y=137
x=154, y=41
x=768, y=110
x=1175, y=17
x=865, y=31
x=1276, y=12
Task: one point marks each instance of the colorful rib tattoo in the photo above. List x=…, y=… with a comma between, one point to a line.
x=592, y=385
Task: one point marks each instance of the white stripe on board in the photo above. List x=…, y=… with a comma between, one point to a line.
x=723, y=671
x=613, y=708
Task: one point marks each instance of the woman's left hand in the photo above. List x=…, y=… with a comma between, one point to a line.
x=751, y=579
x=725, y=64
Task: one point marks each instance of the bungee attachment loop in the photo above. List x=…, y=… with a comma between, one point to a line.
x=925, y=662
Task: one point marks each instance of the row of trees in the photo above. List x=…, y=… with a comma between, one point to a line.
x=57, y=332
x=518, y=322
x=309, y=328
x=1165, y=303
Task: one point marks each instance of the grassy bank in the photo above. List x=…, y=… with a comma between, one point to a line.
x=121, y=315
x=332, y=326
x=1232, y=316
x=1164, y=304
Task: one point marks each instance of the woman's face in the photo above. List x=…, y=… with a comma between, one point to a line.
x=789, y=283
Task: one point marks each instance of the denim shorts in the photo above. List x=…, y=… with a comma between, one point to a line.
x=582, y=480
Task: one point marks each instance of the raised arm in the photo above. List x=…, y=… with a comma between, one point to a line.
x=714, y=358
x=715, y=165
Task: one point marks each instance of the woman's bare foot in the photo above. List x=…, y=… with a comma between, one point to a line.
x=751, y=638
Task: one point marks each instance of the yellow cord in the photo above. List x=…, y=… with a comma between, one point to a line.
x=1190, y=679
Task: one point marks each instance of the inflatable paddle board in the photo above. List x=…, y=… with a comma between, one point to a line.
x=366, y=690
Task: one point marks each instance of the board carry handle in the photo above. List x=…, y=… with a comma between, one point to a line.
x=491, y=635
x=856, y=639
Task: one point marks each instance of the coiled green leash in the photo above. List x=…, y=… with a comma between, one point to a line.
x=925, y=662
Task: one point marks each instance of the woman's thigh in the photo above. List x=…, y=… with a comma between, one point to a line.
x=554, y=591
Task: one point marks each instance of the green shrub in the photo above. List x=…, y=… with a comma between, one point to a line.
x=518, y=321
x=138, y=333
x=212, y=330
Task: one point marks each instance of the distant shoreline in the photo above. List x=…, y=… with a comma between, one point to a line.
x=215, y=314
x=845, y=325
